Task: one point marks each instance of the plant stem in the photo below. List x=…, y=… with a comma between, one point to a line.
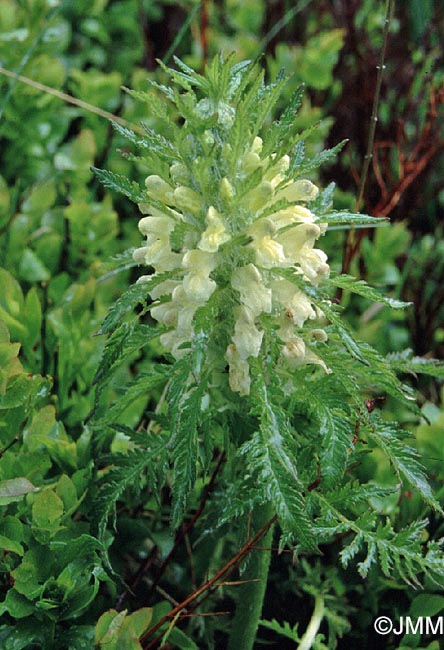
x=350, y=241
x=314, y=624
x=71, y=100
x=251, y=594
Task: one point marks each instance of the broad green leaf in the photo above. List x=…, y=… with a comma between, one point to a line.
x=32, y=268
x=426, y=605
x=10, y=546
x=47, y=511
x=41, y=197
x=47, y=432
x=66, y=490
x=11, y=295
x=27, y=580
x=108, y=629
x=140, y=620
x=16, y=605
x=14, y=489
x=33, y=315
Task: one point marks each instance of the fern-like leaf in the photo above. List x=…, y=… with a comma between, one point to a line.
x=401, y=553
x=319, y=159
x=126, y=472
x=119, y=183
x=403, y=458
x=186, y=391
x=270, y=456
x=146, y=382
x=127, y=339
x=353, y=219
x=360, y=287
x=406, y=362
x=136, y=295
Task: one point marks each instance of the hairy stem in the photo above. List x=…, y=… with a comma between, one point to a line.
x=251, y=594
x=314, y=624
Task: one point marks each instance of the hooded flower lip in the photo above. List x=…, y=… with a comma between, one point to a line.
x=215, y=234
x=248, y=281
x=197, y=283
x=247, y=337
x=268, y=251
x=230, y=246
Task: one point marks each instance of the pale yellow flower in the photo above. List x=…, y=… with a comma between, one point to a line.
x=228, y=245
x=239, y=371
x=197, y=283
x=253, y=292
x=247, y=337
x=215, y=234
x=268, y=251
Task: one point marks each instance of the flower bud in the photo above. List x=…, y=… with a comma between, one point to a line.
x=318, y=335
x=159, y=189
x=258, y=197
x=180, y=174
x=226, y=190
x=250, y=162
x=256, y=147
x=156, y=225
x=302, y=190
x=187, y=199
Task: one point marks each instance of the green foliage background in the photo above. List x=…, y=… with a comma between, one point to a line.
x=72, y=551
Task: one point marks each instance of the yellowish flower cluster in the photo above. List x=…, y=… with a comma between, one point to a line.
x=284, y=239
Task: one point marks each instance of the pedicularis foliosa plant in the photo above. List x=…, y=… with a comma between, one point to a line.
x=258, y=362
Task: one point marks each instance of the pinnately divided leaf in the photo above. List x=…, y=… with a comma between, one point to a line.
x=135, y=295
x=336, y=442
x=185, y=404
x=270, y=457
x=320, y=159
x=146, y=382
x=361, y=287
x=126, y=473
x=401, y=553
x=124, y=341
x=119, y=183
x=185, y=394
x=351, y=218
x=403, y=458
x=406, y=362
